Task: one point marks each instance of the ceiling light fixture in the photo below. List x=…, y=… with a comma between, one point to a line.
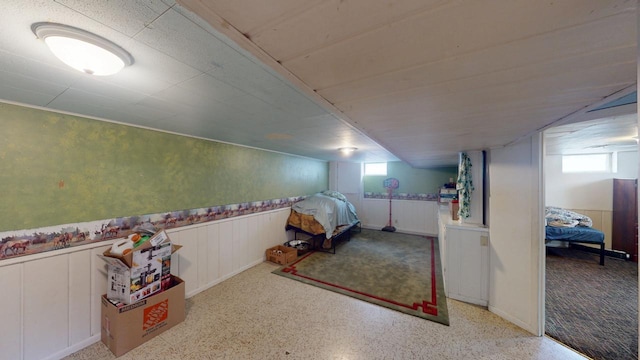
x=82, y=50
x=347, y=150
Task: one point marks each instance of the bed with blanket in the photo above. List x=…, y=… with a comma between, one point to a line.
x=324, y=216
x=572, y=227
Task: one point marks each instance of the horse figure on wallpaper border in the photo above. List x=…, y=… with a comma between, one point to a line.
x=16, y=246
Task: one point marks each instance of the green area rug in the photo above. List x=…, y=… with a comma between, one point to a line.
x=399, y=271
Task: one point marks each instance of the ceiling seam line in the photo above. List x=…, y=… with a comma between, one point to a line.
x=57, y=96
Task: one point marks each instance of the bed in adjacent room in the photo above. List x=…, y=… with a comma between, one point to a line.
x=324, y=216
x=572, y=227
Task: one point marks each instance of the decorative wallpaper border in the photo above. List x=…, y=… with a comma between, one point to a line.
x=401, y=196
x=34, y=241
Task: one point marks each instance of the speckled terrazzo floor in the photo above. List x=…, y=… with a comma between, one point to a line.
x=259, y=315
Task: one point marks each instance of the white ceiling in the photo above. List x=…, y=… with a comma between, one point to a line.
x=416, y=80
x=615, y=133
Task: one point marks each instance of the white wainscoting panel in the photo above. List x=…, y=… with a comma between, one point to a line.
x=98, y=287
x=51, y=303
x=79, y=296
x=46, y=306
x=410, y=216
x=213, y=252
x=241, y=255
x=11, y=312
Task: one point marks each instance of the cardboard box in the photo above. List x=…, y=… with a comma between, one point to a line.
x=142, y=272
x=125, y=327
x=282, y=254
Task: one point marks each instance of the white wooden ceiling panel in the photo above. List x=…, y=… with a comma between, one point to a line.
x=518, y=61
x=329, y=22
x=500, y=97
x=449, y=32
x=620, y=133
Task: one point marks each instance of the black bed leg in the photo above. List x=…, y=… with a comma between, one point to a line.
x=602, y=254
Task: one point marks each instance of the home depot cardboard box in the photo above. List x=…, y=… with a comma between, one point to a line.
x=126, y=326
x=142, y=272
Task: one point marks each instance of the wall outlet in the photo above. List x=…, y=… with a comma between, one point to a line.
x=484, y=240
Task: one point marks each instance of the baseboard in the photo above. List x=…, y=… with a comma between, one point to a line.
x=610, y=253
x=74, y=348
x=219, y=280
x=404, y=231
x=518, y=322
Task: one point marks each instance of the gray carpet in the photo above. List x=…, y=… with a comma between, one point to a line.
x=592, y=308
x=398, y=271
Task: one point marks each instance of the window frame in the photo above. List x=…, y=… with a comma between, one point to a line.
x=568, y=168
x=368, y=170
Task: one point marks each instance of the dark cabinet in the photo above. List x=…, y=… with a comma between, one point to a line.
x=624, y=233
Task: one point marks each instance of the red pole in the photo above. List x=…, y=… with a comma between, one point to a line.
x=390, y=195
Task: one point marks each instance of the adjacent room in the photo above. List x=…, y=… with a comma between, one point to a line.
x=222, y=127
x=591, y=170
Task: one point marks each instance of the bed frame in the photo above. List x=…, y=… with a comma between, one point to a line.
x=316, y=240
x=587, y=236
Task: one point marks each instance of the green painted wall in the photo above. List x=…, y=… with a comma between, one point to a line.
x=60, y=169
x=412, y=181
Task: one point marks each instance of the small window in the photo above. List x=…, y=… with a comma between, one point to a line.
x=586, y=163
x=375, y=169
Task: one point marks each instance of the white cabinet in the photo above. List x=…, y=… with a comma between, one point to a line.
x=466, y=265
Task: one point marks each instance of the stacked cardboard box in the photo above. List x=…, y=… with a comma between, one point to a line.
x=125, y=327
x=143, y=299
x=140, y=273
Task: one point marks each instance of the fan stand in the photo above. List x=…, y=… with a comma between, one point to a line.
x=389, y=227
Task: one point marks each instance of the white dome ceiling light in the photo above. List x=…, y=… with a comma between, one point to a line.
x=346, y=151
x=82, y=50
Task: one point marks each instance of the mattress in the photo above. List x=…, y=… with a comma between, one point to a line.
x=577, y=234
x=330, y=212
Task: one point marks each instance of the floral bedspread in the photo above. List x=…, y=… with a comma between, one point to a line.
x=559, y=217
